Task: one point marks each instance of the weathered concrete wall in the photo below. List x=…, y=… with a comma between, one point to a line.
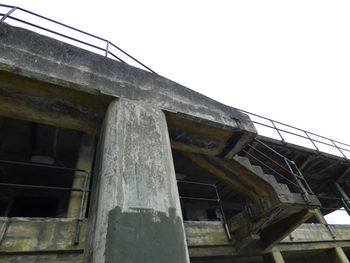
x=138, y=215
x=51, y=240
x=39, y=234
x=47, y=257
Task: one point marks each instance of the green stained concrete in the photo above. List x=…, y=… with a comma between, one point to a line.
x=144, y=236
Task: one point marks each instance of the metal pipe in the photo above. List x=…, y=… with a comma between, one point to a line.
x=290, y=126
x=71, y=38
x=132, y=58
x=45, y=166
x=45, y=187
x=307, y=135
x=199, y=199
x=301, y=136
x=279, y=165
x=8, y=14
x=55, y=22
x=223, y=216
x=191, y=182
x=56, y=33
x=116, y=57
x=336, y=146
x=107, y=45
x=301, y=186
x=270, y=148
x=277, y=130
x=81, y=211
x=270, y=168
x=301, y=175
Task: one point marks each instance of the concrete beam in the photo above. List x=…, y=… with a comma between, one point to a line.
x=273, y=234
x=274, y=256
x=42, y=58
x=137, y=215
x=37, y=101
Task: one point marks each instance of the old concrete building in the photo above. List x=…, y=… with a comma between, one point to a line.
x=103, y=162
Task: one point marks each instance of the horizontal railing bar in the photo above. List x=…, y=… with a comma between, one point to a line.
x=56, y=33
x=199, y=199
x=121, y=50
x=301, y=136
x=59, y=23
x=191, y=182
x=13, y=9
x=287, y=125
x=271, y=149
x=9, y=6
x=46, y=166
x=276, y=163
x=115, y=56
x=72, y=38
x=44, y=187
x=270, y=168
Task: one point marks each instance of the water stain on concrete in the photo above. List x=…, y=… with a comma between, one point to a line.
x=145, y=236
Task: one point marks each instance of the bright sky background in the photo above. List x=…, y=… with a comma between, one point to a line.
x=287, y=60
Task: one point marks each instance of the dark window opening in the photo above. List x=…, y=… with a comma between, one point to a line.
x=211, y=213
x=29, y=178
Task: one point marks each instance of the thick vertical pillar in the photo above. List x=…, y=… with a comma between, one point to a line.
x=137, y=214
x=337, y=255
x=85, y=159
x=275, y=256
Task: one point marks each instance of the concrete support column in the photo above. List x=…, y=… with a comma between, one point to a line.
x=337, y=255
x=85, y=159
x=136, y=215
x=275, y=256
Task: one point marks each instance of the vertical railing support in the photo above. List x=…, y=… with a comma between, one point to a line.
x=223, y=215
x=107, y=48
x=307, y=135
x=82, y=210
x=8, y=14
x=336, y=146
x=279, y=133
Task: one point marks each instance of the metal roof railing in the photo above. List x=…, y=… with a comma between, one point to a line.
x=17, y=15
x=316, y=140
x=106, y=48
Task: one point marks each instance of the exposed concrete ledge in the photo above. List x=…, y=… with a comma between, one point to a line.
x=205, y=239
x=208, y=239
x=316, y=236
x=45, y=59
x=20, y=235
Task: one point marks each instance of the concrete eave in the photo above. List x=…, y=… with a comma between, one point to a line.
x=39, y=57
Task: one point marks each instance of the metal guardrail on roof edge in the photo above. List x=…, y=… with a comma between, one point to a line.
x=106, y=49
x=339, y=146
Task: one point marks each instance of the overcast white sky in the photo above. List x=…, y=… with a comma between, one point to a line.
x=287, y=60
